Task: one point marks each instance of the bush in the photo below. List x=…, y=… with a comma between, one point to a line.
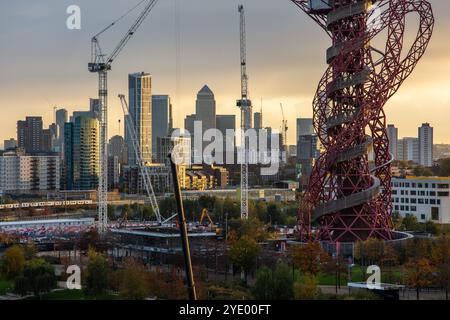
x=306, y=288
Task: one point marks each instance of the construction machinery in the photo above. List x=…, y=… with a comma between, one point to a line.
x=131, y=131
x=101, y=65
x=205, y=213
x=245, y=105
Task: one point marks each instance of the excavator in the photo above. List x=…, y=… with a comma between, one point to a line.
x=212, y=225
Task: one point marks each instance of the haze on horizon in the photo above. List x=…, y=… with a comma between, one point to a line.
x=43, y=64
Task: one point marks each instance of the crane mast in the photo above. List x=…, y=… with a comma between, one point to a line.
x=131, y=130
x=245, y=105
x=101, y=66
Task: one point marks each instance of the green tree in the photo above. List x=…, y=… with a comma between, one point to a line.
x=283, y=283
x=275, y=215
x=38, y=276
x=243, y=254
x=147, y=213
x=263, y=286
x=422, y=171
x=97, y=273
x=431, y=227
x=409, y=223
x=13, y=261
x=277, y=285
x=167, y=206
x=261, y=210
x=444, y=167
x=112, y=212
x=232, y=208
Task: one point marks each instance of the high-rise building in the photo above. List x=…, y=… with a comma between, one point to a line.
x=117, y=148
x=113, y=173
x=81, y=154
x=307, y=154
x=140, y=108
x=307, y=149
x=408, y=149
x=47, y=140
x=189, y=123
x=95, y=108
x=189, y=126
x=179, y=144
x=426, y=145
x=258, y=120
x=304, y=127
x=205, y=111
x=392, y=132
x=23, y=173
x=61, y=118
x=93, y=112
x=161, y=119
x=10, y=144
x=29, y=134
x=224, y=123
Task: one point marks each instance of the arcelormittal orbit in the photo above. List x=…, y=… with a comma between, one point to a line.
x=348, y=199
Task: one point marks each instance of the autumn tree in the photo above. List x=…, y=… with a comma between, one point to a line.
x=251, y=227
x=243, y=253
x=132, y=280
x=309, y=257
x=418, y=274
x=305, y=288
x=440, y=258
x=13, y=261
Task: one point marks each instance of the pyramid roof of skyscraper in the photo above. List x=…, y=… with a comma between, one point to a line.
x=205, y=90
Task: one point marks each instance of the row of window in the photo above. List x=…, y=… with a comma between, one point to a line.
x=434, y=212
x=420, y=185
x=422, y=193
x=414, y=200
x=407, y=208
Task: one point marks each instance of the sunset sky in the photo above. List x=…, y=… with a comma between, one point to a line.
x=43, y=64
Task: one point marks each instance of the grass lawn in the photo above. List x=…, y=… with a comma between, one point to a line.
x=5, y=286
x=358, y=275
x=73, y=295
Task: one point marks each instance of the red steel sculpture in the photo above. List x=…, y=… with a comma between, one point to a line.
x=347, y=198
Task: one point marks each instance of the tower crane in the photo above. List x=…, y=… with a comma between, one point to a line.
x=284, y=129
x=101, y=65
x=142, y=168
x=245, y=105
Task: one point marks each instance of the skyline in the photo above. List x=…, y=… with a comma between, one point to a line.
x=285, y=71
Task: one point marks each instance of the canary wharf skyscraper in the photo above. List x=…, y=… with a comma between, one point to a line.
x=140, y=105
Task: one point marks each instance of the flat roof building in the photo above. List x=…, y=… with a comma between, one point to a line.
x=427, y=198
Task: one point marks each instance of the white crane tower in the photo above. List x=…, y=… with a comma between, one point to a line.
x=131, y=130
x=245, y=105
x=101, y=65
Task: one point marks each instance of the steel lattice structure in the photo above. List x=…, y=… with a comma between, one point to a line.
x=347, y=198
